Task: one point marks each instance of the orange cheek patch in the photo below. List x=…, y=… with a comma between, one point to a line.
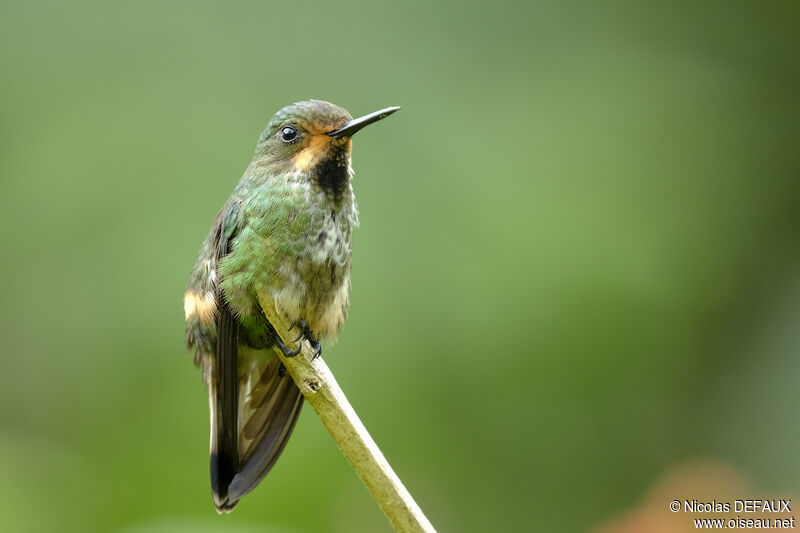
x=311, y=153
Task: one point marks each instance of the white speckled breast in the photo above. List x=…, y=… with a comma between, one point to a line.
x=314, y=284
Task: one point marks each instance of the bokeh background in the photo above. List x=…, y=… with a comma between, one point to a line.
x=577, y=269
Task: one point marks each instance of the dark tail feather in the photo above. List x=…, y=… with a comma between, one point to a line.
x=254, y=410
x=270, y=426
x=225, y=406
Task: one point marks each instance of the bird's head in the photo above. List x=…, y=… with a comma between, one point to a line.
x=312, y=137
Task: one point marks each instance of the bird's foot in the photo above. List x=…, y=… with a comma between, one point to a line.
x=317, y=348
x=300, y=325
x=287, y=352
x=305, y=333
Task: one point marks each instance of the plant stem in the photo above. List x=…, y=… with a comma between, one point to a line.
x=321, y=390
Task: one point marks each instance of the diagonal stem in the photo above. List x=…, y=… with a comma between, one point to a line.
x=321, y=390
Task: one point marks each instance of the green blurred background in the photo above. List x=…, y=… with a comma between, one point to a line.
x=577, y=266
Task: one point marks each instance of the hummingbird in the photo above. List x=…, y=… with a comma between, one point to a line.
x=285, y=237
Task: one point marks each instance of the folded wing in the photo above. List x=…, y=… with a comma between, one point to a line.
x=253, y=405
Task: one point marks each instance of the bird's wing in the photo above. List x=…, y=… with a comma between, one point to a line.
x=254, y=407
x=223, y=373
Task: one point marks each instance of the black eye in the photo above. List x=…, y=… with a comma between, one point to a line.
x=289, y=134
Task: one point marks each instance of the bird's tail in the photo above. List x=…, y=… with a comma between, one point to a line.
x=254, y=408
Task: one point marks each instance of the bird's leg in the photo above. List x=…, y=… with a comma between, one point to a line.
x=305, y=333
x=287, y=352
x=301, y=325
x=315, y=344
x=317, y=349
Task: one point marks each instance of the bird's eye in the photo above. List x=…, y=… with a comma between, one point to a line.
x=289, y=134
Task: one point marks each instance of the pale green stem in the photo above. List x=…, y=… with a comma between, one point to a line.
x=323, y=393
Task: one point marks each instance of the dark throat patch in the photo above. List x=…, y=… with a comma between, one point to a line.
x=330, y=174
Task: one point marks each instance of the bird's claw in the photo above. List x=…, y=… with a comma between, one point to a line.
x=305, y=333
x=291, y=353
x=287, y=352
x=302, y=326
x=317, y=349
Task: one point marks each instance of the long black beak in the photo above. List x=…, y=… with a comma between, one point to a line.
x=357, y=123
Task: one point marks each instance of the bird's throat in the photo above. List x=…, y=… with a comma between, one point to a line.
x=332, y=173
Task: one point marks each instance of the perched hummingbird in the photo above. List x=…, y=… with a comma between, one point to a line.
x=283, y=236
